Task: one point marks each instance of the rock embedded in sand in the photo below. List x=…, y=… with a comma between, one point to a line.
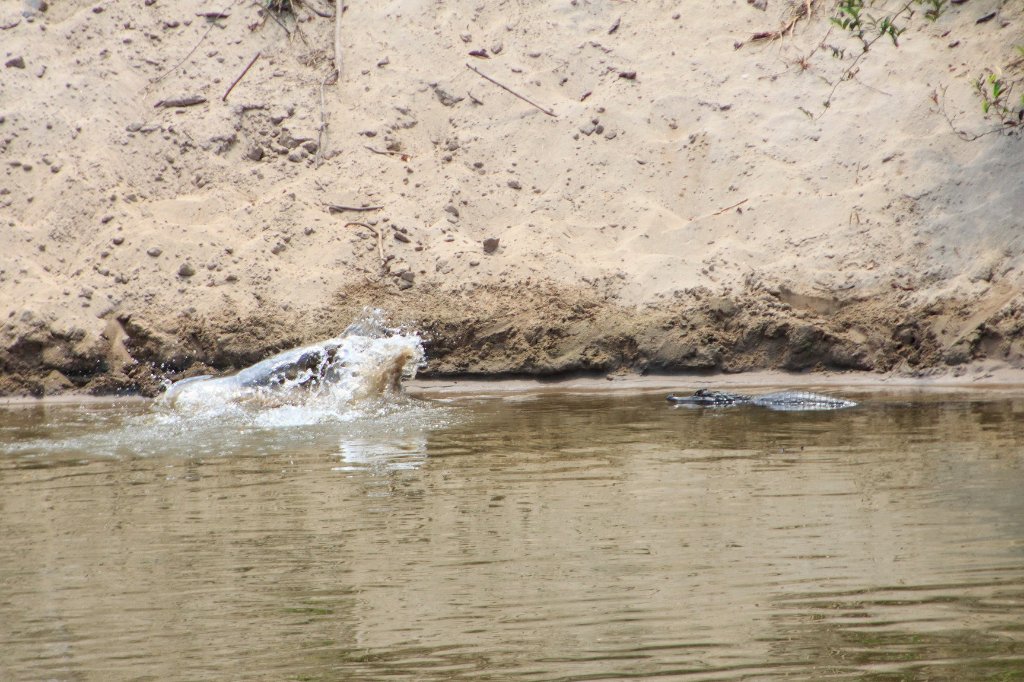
x=446, y=98
x=154, y=251
x=186, y=270
x=286, y=139
x=491, y=244
x=15, y=63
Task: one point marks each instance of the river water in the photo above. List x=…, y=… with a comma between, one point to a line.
x=543, y=536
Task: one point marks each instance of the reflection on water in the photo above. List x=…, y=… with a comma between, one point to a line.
x=548, y=537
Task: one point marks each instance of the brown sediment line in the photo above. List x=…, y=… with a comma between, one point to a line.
x=551, y=333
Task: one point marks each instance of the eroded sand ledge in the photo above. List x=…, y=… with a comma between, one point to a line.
x=689, y=219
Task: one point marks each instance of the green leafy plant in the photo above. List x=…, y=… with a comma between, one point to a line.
x=873, y=20
x=848, y=15
x=852, y=16
x=998, y=92
x=994, y=91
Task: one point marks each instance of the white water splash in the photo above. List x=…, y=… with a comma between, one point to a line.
x=341, y=397
x=335, y=379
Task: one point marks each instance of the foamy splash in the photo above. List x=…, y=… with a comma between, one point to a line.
x=365, y=364
x=341, y=397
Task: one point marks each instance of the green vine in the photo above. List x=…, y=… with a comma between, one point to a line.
x=869, y=21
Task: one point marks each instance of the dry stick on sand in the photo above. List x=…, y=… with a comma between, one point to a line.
x=180, y=102
x=267, y=12
x=801, y=12
x=380, y=239
x=323, y=122
x=338, y=9
x=511, y=91
x=404, y=155
x=335, y=208
x=318, y=12
x=719, y=212
x=240, y=77
x=727, y=208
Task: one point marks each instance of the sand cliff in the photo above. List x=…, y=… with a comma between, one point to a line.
x=664, y=194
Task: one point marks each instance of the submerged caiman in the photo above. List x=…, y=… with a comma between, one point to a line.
x=780, y=400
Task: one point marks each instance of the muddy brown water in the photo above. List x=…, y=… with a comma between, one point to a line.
x=530, y=537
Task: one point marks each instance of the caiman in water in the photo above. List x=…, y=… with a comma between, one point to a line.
x=780, y=400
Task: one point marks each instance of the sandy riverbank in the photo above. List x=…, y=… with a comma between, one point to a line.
x=669, y=205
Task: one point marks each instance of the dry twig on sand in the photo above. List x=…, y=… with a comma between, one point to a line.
x=405, y=156
x=319, y=12
x=240, y=77
x=510, y=90
x=727, y=208
x=335, y=208
x=800, y=12
x=380, y=239
x=180, y=102
x=338, y=9
x=322, y=132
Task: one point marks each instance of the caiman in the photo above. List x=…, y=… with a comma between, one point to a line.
x=780, y=400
